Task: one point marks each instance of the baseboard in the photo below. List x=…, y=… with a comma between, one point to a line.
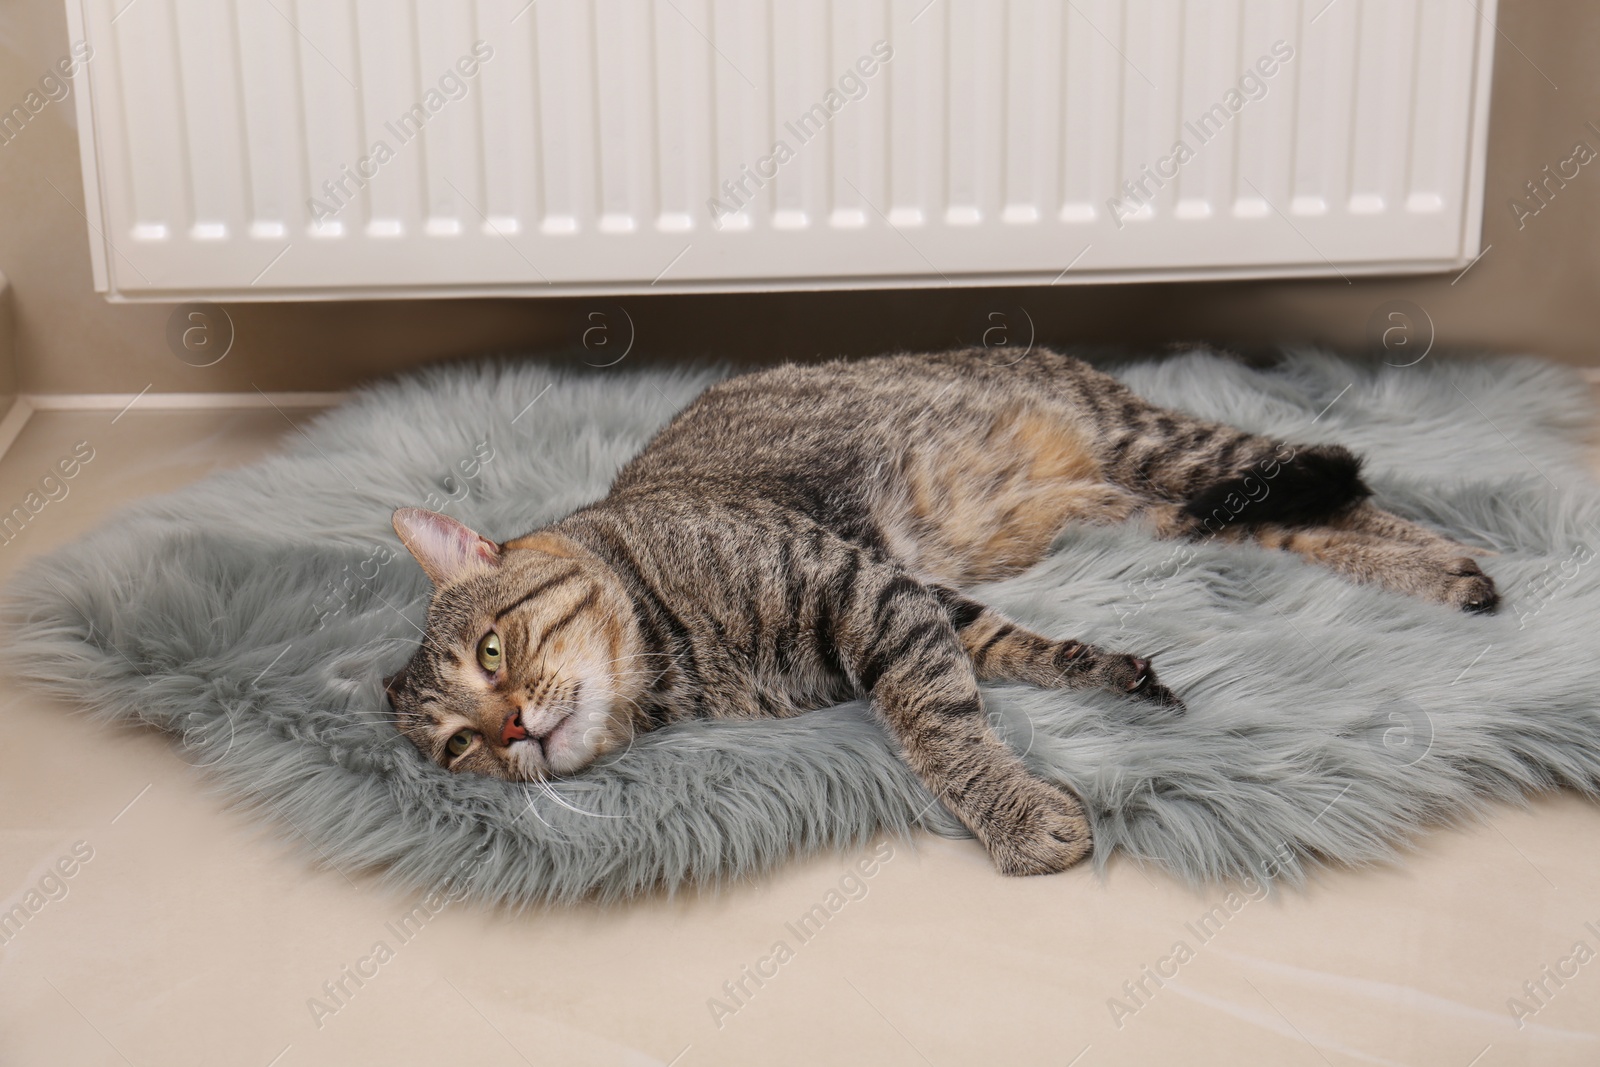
x=148, y=401
x=16, y=417
x=22, y=409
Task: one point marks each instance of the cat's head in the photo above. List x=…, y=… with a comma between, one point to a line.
x=522, y=673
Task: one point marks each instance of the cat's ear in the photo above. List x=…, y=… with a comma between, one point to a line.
x=447, y=550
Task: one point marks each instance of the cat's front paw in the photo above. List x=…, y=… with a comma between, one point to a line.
x=1036, y=829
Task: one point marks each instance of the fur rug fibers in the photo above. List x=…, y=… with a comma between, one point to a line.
x=253, y=615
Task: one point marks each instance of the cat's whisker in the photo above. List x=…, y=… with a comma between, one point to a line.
x=632, y=674
x=628, y=659
x=550, y=790
x=632, y=723
x=644, y=655
x=530, y=809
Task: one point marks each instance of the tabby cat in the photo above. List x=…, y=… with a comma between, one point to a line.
x=801, y=535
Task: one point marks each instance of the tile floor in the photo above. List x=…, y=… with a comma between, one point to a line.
x=192, y=936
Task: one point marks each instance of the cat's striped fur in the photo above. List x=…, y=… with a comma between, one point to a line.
x=802, y=535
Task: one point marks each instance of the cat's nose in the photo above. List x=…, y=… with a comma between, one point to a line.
x=511, y=730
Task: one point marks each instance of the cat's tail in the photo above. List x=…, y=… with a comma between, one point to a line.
x=1288, y=484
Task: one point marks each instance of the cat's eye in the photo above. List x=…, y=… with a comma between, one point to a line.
x=489, y=652
x=459, y=742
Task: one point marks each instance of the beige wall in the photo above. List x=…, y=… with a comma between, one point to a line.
x=1537, y=290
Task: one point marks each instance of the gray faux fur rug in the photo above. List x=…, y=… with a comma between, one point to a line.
x=252, y=616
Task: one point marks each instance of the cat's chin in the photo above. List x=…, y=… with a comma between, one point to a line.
x=586, y=734
x=563, y=751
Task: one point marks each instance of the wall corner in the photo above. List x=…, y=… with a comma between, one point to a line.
x=14, y=409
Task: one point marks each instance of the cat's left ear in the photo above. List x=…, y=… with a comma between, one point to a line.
x=447, y=550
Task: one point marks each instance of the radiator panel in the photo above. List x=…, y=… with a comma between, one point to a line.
x=277, y=149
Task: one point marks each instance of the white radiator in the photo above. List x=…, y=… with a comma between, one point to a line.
x=276, y=149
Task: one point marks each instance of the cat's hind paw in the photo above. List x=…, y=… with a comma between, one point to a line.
x=1145, y=687
x=1136, y=676
x=1468, y=588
